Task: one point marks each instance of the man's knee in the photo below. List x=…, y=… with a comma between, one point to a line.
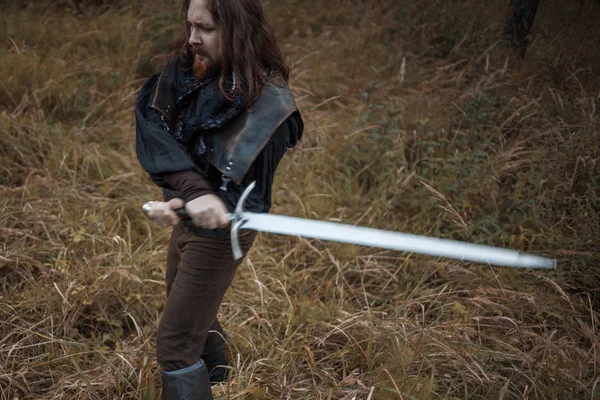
x=177, y=349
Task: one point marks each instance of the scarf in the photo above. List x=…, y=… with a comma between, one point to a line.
x=201, y=106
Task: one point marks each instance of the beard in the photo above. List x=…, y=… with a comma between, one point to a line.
x=204, y=67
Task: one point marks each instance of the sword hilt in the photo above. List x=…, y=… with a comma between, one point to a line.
x=236, y=218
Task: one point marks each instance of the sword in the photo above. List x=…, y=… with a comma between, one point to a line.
x=337, y=232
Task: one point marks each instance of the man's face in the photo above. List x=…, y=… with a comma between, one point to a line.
x=204, y=34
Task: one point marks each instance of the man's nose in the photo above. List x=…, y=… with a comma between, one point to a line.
x=195, y=39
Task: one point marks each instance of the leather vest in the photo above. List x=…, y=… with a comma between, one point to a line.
x=235, y=146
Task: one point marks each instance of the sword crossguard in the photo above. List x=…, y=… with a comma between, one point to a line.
x=237, y=221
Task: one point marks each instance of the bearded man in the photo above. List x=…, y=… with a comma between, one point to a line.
x=218, y=116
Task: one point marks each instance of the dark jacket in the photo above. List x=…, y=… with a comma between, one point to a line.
x=171, y=167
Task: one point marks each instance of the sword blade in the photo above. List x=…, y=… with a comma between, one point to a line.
x=333, y=231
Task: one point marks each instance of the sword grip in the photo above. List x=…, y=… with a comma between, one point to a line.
x=181, y=213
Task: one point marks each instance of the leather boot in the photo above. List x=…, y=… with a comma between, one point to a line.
x=214, y=354
x=189, y=383
x=215, y=358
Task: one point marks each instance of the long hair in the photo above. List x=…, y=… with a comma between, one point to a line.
x=248, y=45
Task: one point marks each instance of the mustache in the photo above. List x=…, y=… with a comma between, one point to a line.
x=198, y=51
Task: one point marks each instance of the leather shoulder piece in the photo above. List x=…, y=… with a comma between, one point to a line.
x=163, y=99
x=236, y=145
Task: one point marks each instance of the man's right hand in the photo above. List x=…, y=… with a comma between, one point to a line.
x=208, y=212
x=164, y=213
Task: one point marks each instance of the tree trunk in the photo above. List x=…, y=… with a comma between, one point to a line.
x=520, y=22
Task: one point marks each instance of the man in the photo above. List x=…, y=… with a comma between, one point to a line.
x=217, y=117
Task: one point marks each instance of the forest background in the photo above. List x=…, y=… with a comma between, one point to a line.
x=418, y=119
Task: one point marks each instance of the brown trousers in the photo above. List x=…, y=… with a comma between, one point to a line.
x=199, y=271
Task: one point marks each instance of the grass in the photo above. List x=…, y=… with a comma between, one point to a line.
x=417, y=119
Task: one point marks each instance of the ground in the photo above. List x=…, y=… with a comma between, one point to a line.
x=418, y=119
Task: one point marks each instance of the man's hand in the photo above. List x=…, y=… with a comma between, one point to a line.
x=208, y=212
x=163, y=213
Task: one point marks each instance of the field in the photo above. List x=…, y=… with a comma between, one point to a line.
x=418, y=119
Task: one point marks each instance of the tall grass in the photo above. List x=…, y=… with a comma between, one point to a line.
x=417, y=119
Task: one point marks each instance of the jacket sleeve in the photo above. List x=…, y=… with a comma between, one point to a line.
x=188, y=184
x=157, y=151
x=159, y=154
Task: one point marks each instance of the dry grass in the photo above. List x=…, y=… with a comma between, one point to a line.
x=418, y=120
